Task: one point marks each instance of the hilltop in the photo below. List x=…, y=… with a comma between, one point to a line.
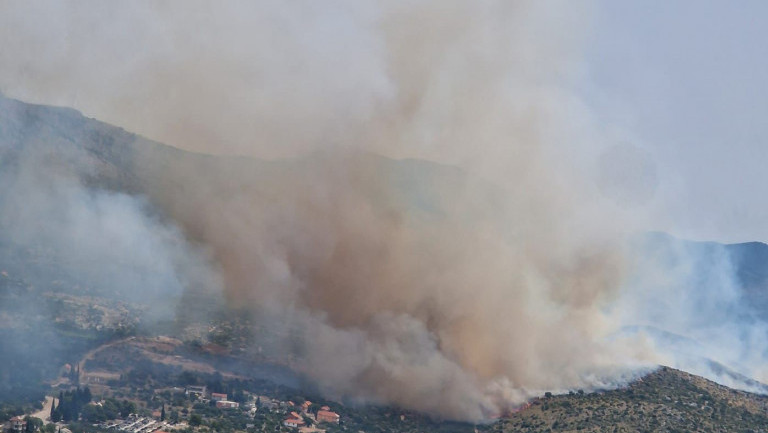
x=666, y=400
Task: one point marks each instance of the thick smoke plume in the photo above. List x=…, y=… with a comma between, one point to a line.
x=461, y=284
x=475, y=300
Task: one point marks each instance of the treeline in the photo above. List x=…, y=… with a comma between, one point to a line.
x=109, y=409
x=74, y=405
x=70, y=404
x=74, y=374
x=20, y=400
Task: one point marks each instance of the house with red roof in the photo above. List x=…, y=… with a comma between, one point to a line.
x=215, y=396
x=226, y=404
x=305, y=406
x=326, y=415
x=294, y=420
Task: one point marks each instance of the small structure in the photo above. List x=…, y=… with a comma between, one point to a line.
x=266, y=402
x=215, y=396
x=226, y=404
x=326, y=415
x=18, y=424
x=195, y=390
x=305, y=407
x=294, y=420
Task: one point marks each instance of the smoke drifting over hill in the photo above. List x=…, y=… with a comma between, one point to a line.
x=457, y=291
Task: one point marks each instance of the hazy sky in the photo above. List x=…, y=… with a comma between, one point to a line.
x=685, y=80
x=689, y=80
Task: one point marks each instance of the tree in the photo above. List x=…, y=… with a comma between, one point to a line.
x=56, y=413
x=195, y=420
x=56, y=408
x=94, y=414
x=87, y=396
x=162, y=413
x=127, y=408
x=33, y=423
x=238, y=396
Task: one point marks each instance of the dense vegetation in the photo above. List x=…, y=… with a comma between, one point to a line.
x=110, y=408
x=70, y=404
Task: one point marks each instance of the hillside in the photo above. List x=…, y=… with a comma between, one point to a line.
x=666, y=400
x=58, y=167
x=57, y=305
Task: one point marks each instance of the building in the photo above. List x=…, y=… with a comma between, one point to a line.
x=294, y=420
x=215, y=396
x=195, y=390
x=266, y=402
x=305, y=406
x=225, y=404
x=18, y=424
x=326, y=415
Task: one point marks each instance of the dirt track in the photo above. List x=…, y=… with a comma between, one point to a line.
x=157, y=350
x=45, y=413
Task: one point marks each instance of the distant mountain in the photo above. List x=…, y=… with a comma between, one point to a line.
x=750, y=261
x=743, y=265
x=106, y=156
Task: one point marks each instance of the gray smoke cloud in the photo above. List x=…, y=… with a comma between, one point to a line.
x=79, y=257
x=687, y=301
x=68, y=226
x=458, y=290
